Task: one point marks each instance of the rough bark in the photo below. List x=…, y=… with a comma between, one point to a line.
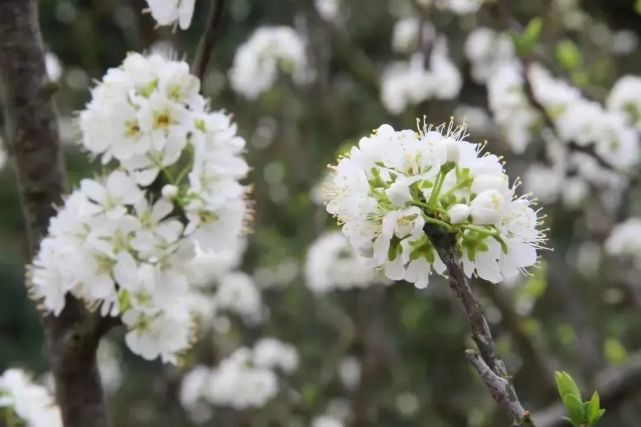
x=485, y=361
x=32, y=137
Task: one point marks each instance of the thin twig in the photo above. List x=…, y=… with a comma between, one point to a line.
x=210, y=36
x=486, y=362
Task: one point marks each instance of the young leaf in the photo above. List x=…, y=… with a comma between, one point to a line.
x=594, y=412
x=576, y=412
x=566, y=385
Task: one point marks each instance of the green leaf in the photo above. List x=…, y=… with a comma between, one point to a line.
x=568, y=55
x=592, y=408
x=527, y=40
x=567, y=386
x=614, y=351
x=598, y=416
x=576, y=412
x=637, y=7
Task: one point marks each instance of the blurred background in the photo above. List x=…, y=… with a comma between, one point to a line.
x=370, y=353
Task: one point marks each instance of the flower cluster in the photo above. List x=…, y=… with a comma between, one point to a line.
x=395, y=185
x=407, y=83
x=529, y=101
x=126, y=242
x=269, y=50
x=24, y=403
x=333, y=264
x=233, y=293
x=172, y=12
x=245, y=379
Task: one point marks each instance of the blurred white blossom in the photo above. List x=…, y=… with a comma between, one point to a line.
x=28, y=403
x=268, y=51
x=407, y=83
x=333, y=264
x=328, y=9
x=245, y=379
x=172, y=12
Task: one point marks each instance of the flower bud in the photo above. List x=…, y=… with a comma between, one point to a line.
x=399, y=193
x=169, y=192
x=490, y=182
x=458, y=213
x=486, y=208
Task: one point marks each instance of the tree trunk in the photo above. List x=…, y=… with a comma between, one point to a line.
x=32, y=136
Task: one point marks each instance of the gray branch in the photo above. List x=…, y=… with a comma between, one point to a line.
x=487, y=363
x=208, y=40
x=34, y=146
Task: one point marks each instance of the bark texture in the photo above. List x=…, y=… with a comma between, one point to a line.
x=485, y=361
x=33, y=142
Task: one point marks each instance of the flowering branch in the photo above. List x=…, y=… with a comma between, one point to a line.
x=209, y=38
x=487, y=363
x=33, y=139
x=529, y=93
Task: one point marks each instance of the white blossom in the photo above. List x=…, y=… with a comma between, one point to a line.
x=127, y=241
x=172, y=12
x=500, y=240
x=333, y=264
x=625, y=97
x=238, y=293
x=624, y=239
x=272, y=353
x=486, y=49
x=407, y=83
x=268, y=51
x=328, y=9
x=245, y=379
x=406, y=34
x=28, y=403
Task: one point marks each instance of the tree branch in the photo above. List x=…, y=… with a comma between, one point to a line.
x=615, y=385
x=32, y=137
x=486, y=362
x=209, y=38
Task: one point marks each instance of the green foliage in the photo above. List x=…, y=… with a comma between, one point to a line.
x=580, y=414
x=615, y=352
x=568, y=55
x=525, y=42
